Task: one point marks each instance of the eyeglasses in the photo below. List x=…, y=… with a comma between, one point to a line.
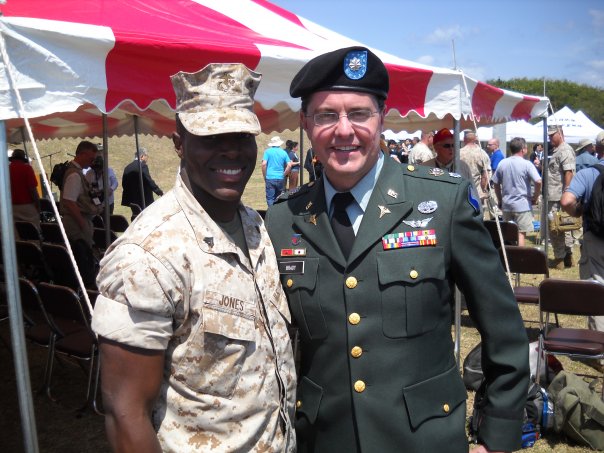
x=357, y=117
x=447, y=145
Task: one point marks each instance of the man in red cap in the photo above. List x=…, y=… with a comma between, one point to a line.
x=368, y=256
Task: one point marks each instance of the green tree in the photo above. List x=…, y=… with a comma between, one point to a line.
x=586, y=98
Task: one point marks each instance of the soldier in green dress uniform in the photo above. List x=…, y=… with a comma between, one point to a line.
x=369, y=255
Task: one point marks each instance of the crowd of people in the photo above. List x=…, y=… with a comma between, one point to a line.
x=197, y=302
x=81, y=197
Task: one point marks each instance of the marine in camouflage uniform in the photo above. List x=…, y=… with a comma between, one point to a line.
x=191, y=317
x=561, y=169
x=479, y=165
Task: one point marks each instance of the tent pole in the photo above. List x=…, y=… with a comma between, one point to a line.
x=140, y=164
x=301, y=167
x=456, y=132
x=26, y=408
x=106, y=212
x=545, y=198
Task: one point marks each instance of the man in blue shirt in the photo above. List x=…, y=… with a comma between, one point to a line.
x=494, y=153
x=575, y=201
x=585, y=154
x=276, y=165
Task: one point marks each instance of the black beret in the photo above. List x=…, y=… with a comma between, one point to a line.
x=349, y=69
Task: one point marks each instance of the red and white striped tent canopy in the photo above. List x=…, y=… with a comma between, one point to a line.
x=72, y=60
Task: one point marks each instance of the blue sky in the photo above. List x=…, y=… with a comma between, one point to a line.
x=556, y=39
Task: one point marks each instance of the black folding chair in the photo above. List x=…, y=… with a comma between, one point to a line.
x=58, y=261
x=31, y=261
x=570, y=297
x=63, y=305
x=51, y=232
x=27, y=231
x=509, y=231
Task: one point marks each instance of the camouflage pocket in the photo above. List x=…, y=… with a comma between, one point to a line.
x=218, y=347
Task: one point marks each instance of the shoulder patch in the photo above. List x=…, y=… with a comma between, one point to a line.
x=473, y=200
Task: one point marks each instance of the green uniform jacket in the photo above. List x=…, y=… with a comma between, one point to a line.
x=378, y=371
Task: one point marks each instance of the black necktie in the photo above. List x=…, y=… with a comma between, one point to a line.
x=340, y=222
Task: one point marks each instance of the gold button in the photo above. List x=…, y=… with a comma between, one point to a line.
x=446, y=408
x=351, y=282
x=413, y=274
x=298, y=404
x=354, y=318
x=289, y=283
x=410, y=168
x=359, y=386
x=356, y=352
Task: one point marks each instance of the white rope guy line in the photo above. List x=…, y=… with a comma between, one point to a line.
x=489, y=201
x=23, y=114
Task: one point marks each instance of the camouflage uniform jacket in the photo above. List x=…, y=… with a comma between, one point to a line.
x=562, y=159
x=175, y=281
x=420, y=153
x=478, y=161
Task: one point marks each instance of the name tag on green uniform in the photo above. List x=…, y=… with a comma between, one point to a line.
x=291, y=267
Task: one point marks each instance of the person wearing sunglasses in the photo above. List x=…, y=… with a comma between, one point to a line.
x=368, y=256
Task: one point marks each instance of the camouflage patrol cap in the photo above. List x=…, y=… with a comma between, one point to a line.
x=553, y=128
x=219, y=99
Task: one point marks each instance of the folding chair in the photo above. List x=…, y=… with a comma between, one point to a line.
x=570, y=297
x=118, y=223
x=509, y=231
x=100, y=241
x=31, y=261
x=58, y=261
x=51, y=232
x=27, y=231
x=525, y=260
x=63, y=305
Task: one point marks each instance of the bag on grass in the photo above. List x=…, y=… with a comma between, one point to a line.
x=562, y=222
x=578, y=409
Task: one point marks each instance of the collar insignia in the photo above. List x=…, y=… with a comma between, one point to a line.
x=383, y=210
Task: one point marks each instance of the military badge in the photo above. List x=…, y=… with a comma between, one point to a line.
x=296, y=239
x=308, y=205
x=436, y=171
x=427, y=207
x=355, y=64
x=383, y=211
x=392, y=193
x=421, y=223
x=454, y=175
x=313, y=219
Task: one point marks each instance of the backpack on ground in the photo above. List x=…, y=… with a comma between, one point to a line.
x=58, y=174
x=538, y=414
x=594, y=214
x=578, y=409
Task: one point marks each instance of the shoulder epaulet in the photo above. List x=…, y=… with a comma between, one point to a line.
x=433, y=173
x=295, y=192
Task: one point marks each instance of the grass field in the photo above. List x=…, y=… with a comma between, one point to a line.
x=58, y=426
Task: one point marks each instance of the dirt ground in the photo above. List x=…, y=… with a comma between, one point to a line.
x=60, y=426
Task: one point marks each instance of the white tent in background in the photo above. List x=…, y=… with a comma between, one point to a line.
x=576, y=126
x=531, y=133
